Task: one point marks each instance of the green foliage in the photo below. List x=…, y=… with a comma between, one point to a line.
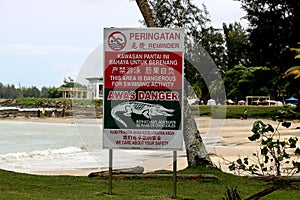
x=180, y=13
x=11, y=92
x=31, y=92
x=276, y=155
x=273, y=28
x=237, y=45
x=38, y=102
x=53, y=92
x=294, y=72
x=213, y=42
x=236, y=82
x=30, y=101
x=195, y=21
x=68, y=83
x=243, y=81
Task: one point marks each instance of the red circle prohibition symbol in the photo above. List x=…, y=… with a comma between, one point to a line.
x=117, y=41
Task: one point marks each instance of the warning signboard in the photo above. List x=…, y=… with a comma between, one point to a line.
x=143, y=88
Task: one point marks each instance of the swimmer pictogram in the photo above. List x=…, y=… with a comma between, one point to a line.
x=117, y=41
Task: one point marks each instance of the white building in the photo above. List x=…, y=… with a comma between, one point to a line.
x=73, y=93
x=95, y=88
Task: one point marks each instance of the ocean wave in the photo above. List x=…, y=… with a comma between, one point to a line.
x=40, y=154
x=24, y=109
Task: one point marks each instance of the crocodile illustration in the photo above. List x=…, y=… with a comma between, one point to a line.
x=146, y=109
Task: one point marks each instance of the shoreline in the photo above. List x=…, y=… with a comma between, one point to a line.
x=57, y=120
x=234, y=143
x=67, y=119
x=149, y=166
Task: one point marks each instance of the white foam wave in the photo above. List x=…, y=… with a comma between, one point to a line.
x=24, y=109
x=40, y=154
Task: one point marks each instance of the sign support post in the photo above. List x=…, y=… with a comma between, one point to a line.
x=174, y=174
x=110, y=172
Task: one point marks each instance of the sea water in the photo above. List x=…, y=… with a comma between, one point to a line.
x=34, y=147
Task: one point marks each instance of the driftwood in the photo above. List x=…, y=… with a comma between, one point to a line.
x=133, y=170
x=263, y=193
x=284, y=182
x=153, y=176
x=139, y=172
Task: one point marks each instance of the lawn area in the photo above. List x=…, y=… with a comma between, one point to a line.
x=234, y=111
x=23, y=186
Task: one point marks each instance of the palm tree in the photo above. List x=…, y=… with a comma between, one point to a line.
x=295, y=73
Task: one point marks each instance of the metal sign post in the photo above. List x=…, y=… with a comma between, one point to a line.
x=174, y=174
x=110, y=172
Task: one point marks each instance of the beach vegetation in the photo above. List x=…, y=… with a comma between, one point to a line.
x=276, y=156
x=51, y=102
x=42, y=102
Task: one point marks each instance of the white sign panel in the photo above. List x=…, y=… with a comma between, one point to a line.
x=143, y=88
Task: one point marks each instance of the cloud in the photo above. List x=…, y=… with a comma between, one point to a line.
x=224, y=11
x=64, y=71
x=28, y=49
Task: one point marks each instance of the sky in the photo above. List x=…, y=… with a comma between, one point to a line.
x=44, y=41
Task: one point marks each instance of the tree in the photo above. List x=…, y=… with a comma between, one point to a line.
x=273, y=28
x=9, y=91
x=147, y=13
x=242, y=81
x=1, y=90
x=294, y=72
x=212, y=41
x=261, y=81
x=44, y=92
x=53, y=92
x=236, y=42
x=236, y=82
x=179, y=14
x=31, y=92
x=68, y=83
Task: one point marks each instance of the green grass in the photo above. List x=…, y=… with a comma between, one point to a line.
x=56, y=101
x=23, y=186
x=88, y=102
x=41, y=101
x=234, y=111
x=229, y=111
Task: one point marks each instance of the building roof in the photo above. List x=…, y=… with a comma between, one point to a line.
x=94, y=79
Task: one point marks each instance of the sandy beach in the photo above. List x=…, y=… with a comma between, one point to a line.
x=234, y=143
